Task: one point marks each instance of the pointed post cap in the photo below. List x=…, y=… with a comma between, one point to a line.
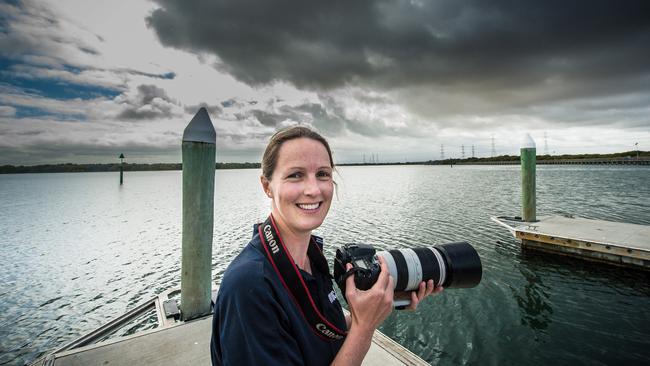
x=200, y=128
x=528, y=142
x=122, y=156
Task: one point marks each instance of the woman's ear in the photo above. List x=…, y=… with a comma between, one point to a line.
x=266, y=186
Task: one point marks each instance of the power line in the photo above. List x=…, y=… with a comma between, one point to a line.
x=545, y=144
x=494, y=150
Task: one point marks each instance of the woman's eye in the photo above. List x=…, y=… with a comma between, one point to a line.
x=323, y=174
x=294, y=175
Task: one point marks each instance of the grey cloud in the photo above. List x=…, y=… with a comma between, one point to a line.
x=228, y=103
x=232, y=102
x=495, y=44
x=47, y=152
x=90, y=51
x=328, y=116
x=37, y=40
x=169, y=75
x=308, y=113
x=270, y=119
x=31, y=29
x=151, y=102
x=148, y=93
x=38, y=141
x=213, y=110
x=7, y=111
x=330, y=123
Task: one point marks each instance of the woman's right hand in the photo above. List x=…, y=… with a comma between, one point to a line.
x=370, y=308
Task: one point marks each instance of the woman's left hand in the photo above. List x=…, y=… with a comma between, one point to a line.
x=425, y=289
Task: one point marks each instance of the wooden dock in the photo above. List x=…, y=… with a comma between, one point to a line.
x=603, y=241
x=176, y=343
x=189, y=344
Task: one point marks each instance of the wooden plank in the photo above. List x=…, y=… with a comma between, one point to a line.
x=189, y=344
x=386, y=352
x=587, y=254
x=182, y=345
x=609, y=249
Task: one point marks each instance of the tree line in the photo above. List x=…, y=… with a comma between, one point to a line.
x=86, y=168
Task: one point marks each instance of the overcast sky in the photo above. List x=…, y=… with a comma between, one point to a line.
x=85, y=80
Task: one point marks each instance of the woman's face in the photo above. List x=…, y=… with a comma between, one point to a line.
x=301, y=186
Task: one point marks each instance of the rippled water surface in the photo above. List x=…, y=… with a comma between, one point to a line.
x=78, y=250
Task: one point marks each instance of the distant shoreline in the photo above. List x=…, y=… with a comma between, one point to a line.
x=628, y=157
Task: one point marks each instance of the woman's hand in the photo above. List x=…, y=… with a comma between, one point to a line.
x=370, y=308
x=416, y=296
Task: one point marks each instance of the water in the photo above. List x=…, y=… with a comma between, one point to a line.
x=79, y=250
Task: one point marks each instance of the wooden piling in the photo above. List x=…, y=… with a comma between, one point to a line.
x=528, y=161
x=198, y=149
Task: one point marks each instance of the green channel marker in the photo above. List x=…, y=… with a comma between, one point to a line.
x=121, y=168
x=198, y=149
x=528, y=161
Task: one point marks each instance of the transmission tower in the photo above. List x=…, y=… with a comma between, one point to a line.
x=473, y=151
x=494, y=150
x=462, y=151
x=442, y=152
x=545, y=144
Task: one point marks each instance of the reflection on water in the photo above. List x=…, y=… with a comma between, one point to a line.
x=80, y=250
x=535, y=308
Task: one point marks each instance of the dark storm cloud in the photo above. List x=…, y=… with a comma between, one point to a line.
x=151, y=102
x=485, y=44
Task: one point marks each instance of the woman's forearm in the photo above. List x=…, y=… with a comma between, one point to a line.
x=355, y=347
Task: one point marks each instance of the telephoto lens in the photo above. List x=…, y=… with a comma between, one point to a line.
x=451, y=265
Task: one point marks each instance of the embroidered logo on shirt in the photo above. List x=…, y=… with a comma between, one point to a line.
x=332, y=296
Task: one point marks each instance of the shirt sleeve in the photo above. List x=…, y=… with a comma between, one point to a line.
x=252, y=326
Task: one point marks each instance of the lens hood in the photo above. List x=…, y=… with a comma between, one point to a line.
x=464, y=267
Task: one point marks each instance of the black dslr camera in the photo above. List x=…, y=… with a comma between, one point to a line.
x=451, y=265
x=365, y=266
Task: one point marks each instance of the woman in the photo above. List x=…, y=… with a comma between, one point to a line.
x=257, y=320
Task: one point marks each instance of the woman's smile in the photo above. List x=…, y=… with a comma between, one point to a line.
x=309, y=206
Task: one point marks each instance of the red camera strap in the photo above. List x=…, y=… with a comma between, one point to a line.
x=292, y=280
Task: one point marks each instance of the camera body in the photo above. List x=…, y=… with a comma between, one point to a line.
x=364, y=264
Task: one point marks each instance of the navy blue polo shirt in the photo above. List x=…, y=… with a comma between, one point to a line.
x=256, y=322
